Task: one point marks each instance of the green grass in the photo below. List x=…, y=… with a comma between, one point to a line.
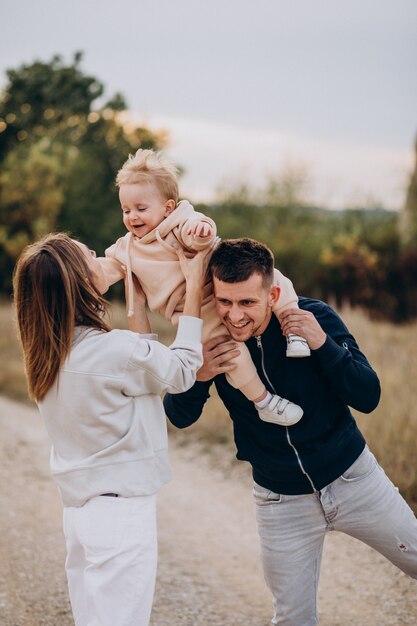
x=391, y=430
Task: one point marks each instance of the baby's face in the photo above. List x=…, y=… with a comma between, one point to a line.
x=143, y=207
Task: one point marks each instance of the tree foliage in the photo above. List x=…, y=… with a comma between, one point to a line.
x=408, y=223
x=354, y=256
x=59, y=156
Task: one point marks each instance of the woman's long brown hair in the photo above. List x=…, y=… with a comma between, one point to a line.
x=52, y=294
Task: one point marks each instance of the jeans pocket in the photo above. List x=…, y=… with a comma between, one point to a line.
x=100, y=524
x=361, y=468
x=263, y=496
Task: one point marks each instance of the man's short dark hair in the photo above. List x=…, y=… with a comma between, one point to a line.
x=235, y=260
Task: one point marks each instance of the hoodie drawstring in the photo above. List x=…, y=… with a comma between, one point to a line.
x=130, y=298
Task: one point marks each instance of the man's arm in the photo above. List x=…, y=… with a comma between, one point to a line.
x=338, y=355
x=183, y=409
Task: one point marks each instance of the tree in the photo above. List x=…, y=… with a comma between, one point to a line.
x=408, y=221
x=44, y=98
x=350, y=256
x=350, y=270
x=31, y=195
x=59, y=157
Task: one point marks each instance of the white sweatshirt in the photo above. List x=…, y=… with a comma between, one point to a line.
x=104, y=413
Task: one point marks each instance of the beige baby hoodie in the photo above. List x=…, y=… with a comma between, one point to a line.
x=154, y=261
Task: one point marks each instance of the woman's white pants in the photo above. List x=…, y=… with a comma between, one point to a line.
x=111, y=560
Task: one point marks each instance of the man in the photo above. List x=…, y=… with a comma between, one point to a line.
x=317, y=475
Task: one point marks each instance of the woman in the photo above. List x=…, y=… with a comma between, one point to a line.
x=98, y=391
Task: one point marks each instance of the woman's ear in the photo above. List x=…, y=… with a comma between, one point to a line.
x=169, y=207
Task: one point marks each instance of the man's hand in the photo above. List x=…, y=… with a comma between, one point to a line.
x=300, y=322
x=201, y=229
x=218, y=354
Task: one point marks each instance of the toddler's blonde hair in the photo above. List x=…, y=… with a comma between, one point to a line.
x=150, y=167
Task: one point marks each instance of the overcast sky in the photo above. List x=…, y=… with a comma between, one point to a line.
x=247, y=88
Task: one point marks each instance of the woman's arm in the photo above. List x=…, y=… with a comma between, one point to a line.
x=195, y=272
x=173, y=369
x=139, y=321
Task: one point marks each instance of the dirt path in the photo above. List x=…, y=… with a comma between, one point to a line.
x=209, y=572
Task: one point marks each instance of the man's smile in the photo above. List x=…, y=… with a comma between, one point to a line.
x=237, y=325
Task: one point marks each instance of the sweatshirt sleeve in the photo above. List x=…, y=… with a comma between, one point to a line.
x=154, y=368
x=184, y=409
x=113, y=270
x=345, y=366
x=196, y=243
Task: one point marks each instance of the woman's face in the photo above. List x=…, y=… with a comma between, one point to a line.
x=95, y=267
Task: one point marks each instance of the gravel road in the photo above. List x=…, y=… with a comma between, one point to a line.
x=208, y=573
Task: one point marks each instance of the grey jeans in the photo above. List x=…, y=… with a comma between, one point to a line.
x=362, y=503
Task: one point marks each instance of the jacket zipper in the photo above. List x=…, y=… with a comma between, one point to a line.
x=290, y=443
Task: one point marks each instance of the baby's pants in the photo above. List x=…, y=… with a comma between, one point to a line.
x=288, y=299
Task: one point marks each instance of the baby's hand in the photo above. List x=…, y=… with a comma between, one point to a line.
x=201, y=229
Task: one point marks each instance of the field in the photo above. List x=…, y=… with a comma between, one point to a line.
x=391, y=430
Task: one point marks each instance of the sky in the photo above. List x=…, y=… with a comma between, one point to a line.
x=248, y=90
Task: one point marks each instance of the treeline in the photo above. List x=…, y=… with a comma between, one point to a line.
x=59, y=154
x=354, y=257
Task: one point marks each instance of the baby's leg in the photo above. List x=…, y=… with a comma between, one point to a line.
x=296, y=346
x=271, y=408
x=244, y=377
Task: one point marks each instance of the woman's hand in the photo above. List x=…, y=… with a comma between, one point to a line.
x=195, y=274
x=139, y=321
x=194, y=268
x=139, y=294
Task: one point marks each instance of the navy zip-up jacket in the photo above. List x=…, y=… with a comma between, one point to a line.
x=326, y=441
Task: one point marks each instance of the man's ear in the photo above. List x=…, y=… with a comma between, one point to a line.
x=274, y=295
x=169, y=207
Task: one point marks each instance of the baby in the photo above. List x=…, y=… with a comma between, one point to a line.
x=157, y=224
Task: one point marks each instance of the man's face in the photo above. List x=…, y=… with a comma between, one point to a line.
x=143, y=207
x=245, y=308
